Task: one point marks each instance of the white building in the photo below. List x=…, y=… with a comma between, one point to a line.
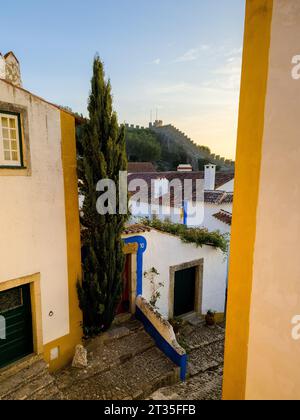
x=193, y=278
x=40, y=234
x=210, y=194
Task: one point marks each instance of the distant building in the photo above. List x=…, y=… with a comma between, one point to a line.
x=217, y=196
x=138, y=167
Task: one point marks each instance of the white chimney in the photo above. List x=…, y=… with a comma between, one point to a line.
x=2, y=67
x=210, y=177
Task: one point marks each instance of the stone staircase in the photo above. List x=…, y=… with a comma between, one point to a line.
x=27, y=380
x=124, y=363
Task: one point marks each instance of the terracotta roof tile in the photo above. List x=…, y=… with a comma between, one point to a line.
x=224, y=216
x=221, y=177
x=218, y=197
x=135, y=229
x=138, y=167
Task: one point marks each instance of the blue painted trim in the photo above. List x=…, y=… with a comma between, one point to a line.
x=142, y=243
x=185, y=213
x=163, y=345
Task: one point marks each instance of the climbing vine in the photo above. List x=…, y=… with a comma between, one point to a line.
x=198, y=236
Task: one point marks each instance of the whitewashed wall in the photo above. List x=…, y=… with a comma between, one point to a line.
x=165, y=251
x=211, y=223
x=228, y=187
x=32, y=214
x=203, y=218
x=161, y=212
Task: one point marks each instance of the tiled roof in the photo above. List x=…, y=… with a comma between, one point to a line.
x=135, y=229
x=224, y=216
x=218, y=197
x=221, y=177
x=138, y=167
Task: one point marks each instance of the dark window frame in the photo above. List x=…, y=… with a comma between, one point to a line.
x=18, y=115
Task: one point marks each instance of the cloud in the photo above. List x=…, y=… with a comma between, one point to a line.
x=169, y=89
x=156, y=61
x=192, y=54
x=229, y=74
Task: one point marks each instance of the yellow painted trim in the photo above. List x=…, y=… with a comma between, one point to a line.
x=248, y=162
x=67, y=344
x=130, y=248
x=219, y=317
x=36, y=306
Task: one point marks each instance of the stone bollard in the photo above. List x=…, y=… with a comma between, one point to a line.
x=80, y=358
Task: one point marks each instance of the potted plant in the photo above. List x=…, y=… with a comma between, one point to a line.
x=176, y=324
x=210, y=318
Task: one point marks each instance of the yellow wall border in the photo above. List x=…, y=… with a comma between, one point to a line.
x=36, y=306
x=248, y=161
x=130, y=250
x=66, y=345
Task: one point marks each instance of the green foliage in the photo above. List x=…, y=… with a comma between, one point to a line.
x=101, y=154
x=202, y=163
x=174, y=155
x=142, y=146
x=197, y=236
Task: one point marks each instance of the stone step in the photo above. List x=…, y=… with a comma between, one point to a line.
x=202, y=336
x=107, y=352
x=18, y=366
x=134, y=379
x=49, y=393
x=21, y=374
x=32, y=387
x=206, y=358
x=207, y=386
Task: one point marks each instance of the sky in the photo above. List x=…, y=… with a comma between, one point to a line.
x=179, y=58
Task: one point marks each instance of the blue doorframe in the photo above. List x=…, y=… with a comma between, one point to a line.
x=142, y=243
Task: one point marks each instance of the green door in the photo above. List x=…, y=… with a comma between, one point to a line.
x=15, y=310
x=184, y=293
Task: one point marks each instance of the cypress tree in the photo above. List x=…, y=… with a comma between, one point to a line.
x=101, y=155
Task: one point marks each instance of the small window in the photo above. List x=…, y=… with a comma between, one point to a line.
x=10, y=140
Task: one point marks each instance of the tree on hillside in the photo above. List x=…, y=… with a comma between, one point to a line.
x=102, y=154
x=142, y=146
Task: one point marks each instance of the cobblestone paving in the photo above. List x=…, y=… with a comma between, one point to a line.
x=206, y=358
x=125, y=364
x=134, y=379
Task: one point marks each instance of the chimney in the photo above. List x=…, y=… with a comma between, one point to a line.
x=210, y=177
x=185, y=168
x=10, y=69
